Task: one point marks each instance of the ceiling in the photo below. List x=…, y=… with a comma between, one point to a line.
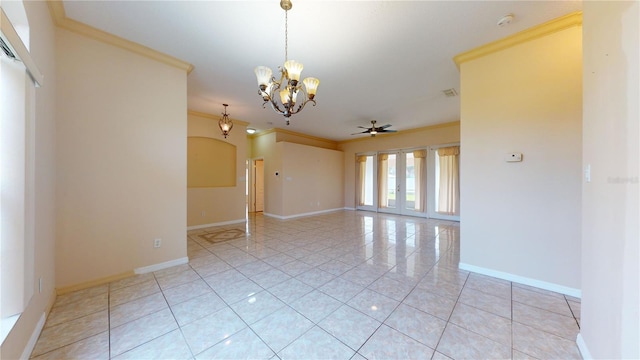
x=382, y=60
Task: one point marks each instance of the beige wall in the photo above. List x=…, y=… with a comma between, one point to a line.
x=219, y=204
x=311, y=179
x=610, y=253
x=522, y=220
x=432, y=135
x=42, y=50
x=122, y=132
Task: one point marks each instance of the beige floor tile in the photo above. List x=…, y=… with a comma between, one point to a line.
x=129, y=293
x=550, y=322
x=542, y=300
x=417, y=324
x=459, y=343
x=387, y=343
x=543, y=345
x=168, y=346
x=175, y=279
x=244, y=344
x=210, y=330
x=197, y=308
x=77, y=309
x=136, y=309
x=483, y=323
x=186, y=291
x=69, y=332
x=92, y=348
x=493, y=304
x=350, y=326
x=132, y=280
x=68, y=298
x=137, y=332
x=433, y=304
x=316, y=344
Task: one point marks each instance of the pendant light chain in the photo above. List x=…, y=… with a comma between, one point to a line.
x=286, y=35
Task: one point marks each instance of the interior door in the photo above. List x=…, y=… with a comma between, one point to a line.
x=259, y=185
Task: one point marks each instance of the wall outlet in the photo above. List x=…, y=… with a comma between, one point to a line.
x=39, y=285
x=203, y=213
x=157, y=243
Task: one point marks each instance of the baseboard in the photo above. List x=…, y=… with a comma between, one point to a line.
x=160, y=266
x=92, y=283
x=301, y=214
x=523, y=280
x=349, y=208
x=196, y=227
x=582, y=346
x=34, y=337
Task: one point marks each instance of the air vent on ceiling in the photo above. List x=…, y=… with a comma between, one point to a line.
x=7, y=50
x=450, y=92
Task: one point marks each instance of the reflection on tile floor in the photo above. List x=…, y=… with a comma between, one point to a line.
x=345, y=285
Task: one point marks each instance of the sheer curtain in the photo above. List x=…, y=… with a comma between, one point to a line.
x=383, y=167
x=419, y=165
x=361, y=163
x=449, y=192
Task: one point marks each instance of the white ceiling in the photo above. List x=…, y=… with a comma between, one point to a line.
x=383, y=60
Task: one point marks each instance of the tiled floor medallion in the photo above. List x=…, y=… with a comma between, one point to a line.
x=223, y=235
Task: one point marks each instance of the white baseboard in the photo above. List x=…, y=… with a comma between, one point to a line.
x=523, y=280
x=582, y=346
x=302, y=214
x=34, y=337
x=196, y=227
x=160, y=266
x=350, y=208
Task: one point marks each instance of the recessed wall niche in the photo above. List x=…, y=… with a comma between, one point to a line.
x=210, y=163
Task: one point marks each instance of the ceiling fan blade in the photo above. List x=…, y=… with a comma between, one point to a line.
x=364, y=132
x=385, y=126
x=363, y=127
x=385, y=130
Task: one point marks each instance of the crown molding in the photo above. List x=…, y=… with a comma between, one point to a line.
x=289, y=132
x=405, y=132
x=56, y=8
x=549, y=27
x=214, y=117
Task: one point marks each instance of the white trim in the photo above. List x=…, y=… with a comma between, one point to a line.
x=6, y=325
x=523, y=280
x=34, y=337
x=302, y=214
x=582, y=346
x=160, y=266
x=196, y=227
x=10, y=34
x=349, y=208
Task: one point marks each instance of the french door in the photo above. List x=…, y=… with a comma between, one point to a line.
x=401, y=182
x=417, y=182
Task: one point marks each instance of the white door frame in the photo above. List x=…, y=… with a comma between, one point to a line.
x=252, y=187
x=374, y=206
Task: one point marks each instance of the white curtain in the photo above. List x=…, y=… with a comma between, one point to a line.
x=419, y=165
x=449, y=192
x=383, y=193
x=361, y=168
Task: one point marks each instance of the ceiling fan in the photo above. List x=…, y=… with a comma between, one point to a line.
x=373, y=130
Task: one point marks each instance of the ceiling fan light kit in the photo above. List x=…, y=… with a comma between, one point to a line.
x=288, y=89
x=374, y=130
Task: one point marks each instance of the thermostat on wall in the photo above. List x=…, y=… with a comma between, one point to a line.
x=513, y=157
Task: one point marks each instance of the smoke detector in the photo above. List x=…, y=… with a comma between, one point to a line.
x=506, y=20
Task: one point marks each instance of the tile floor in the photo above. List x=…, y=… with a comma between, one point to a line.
x=344, y=285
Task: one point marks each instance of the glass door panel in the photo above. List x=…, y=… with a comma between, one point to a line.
x=410, y=182
x=387, y=185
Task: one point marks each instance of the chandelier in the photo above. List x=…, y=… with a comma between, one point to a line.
x=225, y=123
x=283, y=94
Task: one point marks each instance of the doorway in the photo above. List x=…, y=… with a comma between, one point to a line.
x=258, y=190
x=444, y=177
x=402, y=182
